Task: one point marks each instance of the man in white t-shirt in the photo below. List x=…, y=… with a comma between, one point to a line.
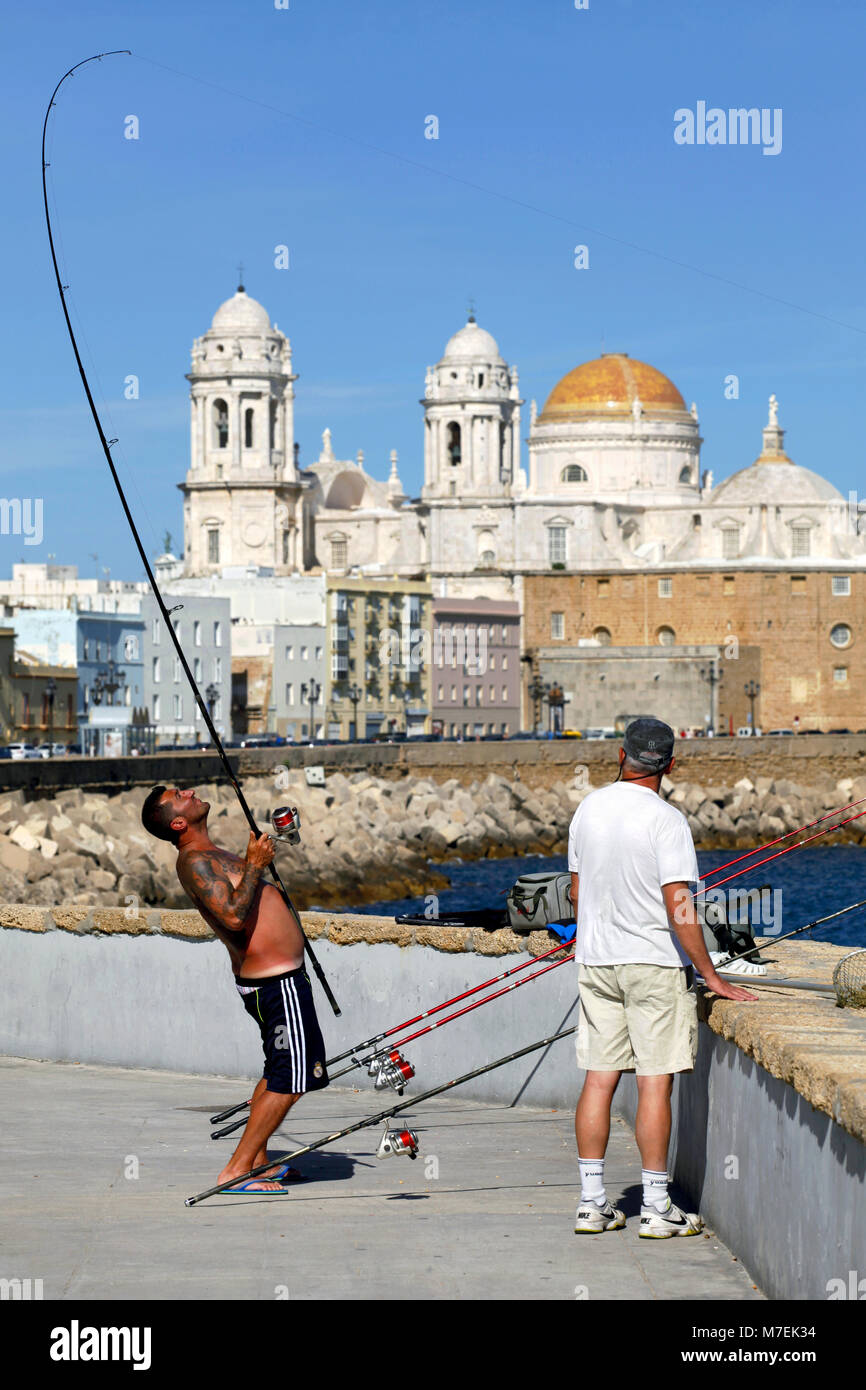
x=632, y=861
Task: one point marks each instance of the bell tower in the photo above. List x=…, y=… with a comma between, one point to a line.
x=242, y=494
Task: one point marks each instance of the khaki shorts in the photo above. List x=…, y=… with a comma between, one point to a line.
x=640, y=1018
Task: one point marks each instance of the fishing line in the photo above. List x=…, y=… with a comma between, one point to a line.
x=107, y=446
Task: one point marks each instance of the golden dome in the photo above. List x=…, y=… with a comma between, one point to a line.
x=609, y=386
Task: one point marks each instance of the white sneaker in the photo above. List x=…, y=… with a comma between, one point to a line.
x=591, y=1218
x=656, y=1225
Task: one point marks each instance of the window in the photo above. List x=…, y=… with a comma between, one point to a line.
x=573, y=474
x=196, y=712
x=841, y=585
x=666, y=636
x=248, y=429
x=318, y=653
x=491, y=662
x=452, y=489
x=213, y=546
x=177, y=668
x=602, y=636
x=196, y=670
x=290, y=693
x=479, y=695
x=493, y=694
x=666, y=588
x=155, y=709
x=217, y=634
x=840, y=675
x=453, y=444
x=466, y=694
x=221, y=424
x=304, y=653
x=800, y=543
x=178, y=707
x=729, y=584
x=686, y=474
x=290, y=653
x=339, y=553
x=454, y=692
x=840, y=635
x=217, y=668
x=155, y=630
x=196, y=633
x=798, y=583
x=85, y=655
x=557, y=627
x=730, y=542
x=156, y=668
x=487, y=559
x=87, y=696
x=556, y=544
x=602, y=588
x=505, y=661
x=505, y=694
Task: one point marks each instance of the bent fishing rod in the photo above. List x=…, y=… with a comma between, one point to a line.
x=409, y=1144
x=779, y=853
x=417, y=1018
x=391, y=1068
x=166, y=613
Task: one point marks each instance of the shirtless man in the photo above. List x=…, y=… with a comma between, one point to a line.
x=266, y=946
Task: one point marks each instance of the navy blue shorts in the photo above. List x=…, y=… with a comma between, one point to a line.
x=282, y=1006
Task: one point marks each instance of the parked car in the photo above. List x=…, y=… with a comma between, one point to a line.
x=51, y=750
x=780, y=733
x=600, y=733
x=748, y=732
x=19, y=751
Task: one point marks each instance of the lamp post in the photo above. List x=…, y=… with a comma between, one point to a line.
x=713, y=676
x=354, y=694
x=50, y=692
x=538, y=689
x=311, y=693
x=556, y=703
x=753, y=690
x=407, y=700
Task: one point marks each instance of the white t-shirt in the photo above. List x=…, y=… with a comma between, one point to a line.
x=625, y=842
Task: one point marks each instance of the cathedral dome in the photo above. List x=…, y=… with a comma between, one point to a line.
x=241, y=314
x=472, y=343
x=774, y=477
x=610, y=386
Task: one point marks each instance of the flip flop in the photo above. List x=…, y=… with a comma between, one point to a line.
x=249, y=1189
x=285, y=1173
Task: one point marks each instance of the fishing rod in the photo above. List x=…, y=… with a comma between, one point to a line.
x=770, y=843
x=391, y=1068
x=392, y=1142
x=166, y=614
x=408, y=1023
x=779, y=853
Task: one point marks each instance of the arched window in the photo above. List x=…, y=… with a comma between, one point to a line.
x=573, y=473
x=602, y=636
x=486, y=550
x=273, y=418
x=666, y=636
x=453, y=446
x=248, y=429
x=221, y=424
x=686, y=474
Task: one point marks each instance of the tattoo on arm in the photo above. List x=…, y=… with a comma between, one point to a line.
x=206, y=880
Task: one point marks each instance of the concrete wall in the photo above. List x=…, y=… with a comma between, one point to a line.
x=794, y=1214
x=541, y=762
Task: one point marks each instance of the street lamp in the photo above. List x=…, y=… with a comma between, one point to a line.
x=538, y=689
x=311, y=692
x=713, y=676
x=354, y=694
x=752, y=690
x=50, y=692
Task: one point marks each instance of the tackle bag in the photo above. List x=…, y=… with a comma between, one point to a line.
x=537, y=899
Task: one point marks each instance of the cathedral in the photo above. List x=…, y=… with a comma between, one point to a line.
x=612, y=479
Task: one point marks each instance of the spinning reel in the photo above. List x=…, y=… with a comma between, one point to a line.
x=397, y=1141
x=390, y=1069
x=287, y=824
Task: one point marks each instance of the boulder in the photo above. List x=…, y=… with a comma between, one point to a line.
x=24, y=838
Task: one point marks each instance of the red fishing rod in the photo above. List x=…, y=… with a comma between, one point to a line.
x=393, y=1141
x=786, y=836
x=781, y=852
x=408, y=1023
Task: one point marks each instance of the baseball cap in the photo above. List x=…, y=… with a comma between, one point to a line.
x=649, y=741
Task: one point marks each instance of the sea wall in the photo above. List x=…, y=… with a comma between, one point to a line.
x=770, y=1130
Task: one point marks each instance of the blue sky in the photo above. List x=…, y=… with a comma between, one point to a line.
x=305, y=127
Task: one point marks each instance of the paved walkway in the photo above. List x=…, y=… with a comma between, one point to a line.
x=495, y=1223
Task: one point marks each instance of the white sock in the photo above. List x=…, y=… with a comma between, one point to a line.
x=655, y=1189
x=592, y=1180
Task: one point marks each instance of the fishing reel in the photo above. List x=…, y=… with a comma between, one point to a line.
x=286, y=821
x=390, y=1069
x=397, y=1141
